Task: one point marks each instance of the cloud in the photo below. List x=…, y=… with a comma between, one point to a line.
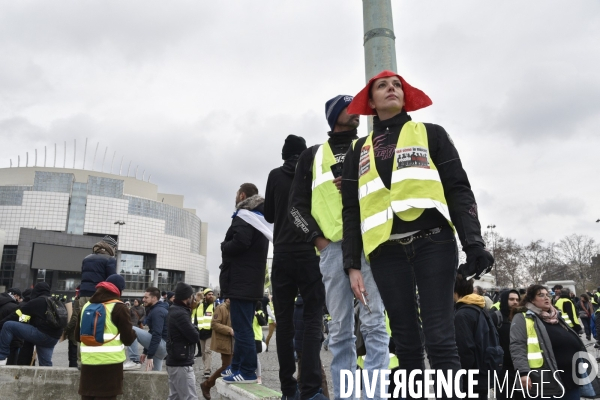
x=202, y=94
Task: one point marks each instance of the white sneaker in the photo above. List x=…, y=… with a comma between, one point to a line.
x=131, y=365
x=3, y=362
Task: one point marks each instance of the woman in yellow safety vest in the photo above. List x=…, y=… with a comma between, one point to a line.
x=102, y=366
x=403, y=192
x=542, y=347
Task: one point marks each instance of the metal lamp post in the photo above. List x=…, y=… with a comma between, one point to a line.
x=491, y=227
x=118, y=254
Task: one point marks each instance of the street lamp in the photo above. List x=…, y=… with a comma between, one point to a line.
x=491, y=227
x=120, y=223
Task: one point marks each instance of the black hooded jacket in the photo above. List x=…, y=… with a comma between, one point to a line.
x=244, y=255
x=182, y=336
x=36, y=309
x=8, y=305
x=457, y=189
x=300, y=203
x=504, y=330
x=285, y=236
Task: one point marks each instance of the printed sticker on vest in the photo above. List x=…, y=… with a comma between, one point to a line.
x=413, y=156
x=364, y=164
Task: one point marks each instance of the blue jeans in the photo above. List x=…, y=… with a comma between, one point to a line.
x=430, y=264
x=133, y=351
x=244, y=348
x=161, y=352
x=340, y=303
x=44, y=344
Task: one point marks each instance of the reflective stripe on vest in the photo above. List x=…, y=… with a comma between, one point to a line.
x=203, y=319
x=534, y=351
x=23, y=317
x=273, y=311
x=112, y=352
x=326, y=200
x=415, y=186
x=256, y=327
x=560, y=305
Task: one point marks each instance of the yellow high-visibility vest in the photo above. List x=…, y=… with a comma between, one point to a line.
x=326, y=200
x=495, y=306
x=560, y=304
x=534, y=351
x=415, y=186
x=23, y=317
x=256, y=327
x=204, y=316
x=112, y=352
x=273, y=311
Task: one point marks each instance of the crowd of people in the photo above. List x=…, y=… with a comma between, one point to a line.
x=364, y=228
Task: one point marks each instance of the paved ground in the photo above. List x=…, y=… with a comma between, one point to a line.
x=270, y=365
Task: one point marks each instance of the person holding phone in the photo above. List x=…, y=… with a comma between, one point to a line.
x=404, y=190
x=315, y=208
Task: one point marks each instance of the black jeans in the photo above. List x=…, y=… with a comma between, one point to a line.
x=293, y=271
x=585, y=321
x=430, y=264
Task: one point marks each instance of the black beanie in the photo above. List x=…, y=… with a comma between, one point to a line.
x=334, y=107
x=293, y=146
x=183, y=291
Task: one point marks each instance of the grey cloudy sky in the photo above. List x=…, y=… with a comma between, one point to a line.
x=202, y=94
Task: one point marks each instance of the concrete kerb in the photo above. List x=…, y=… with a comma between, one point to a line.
x=246, y=391
x=43, y=383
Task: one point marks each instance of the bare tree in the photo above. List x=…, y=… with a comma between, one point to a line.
x=534, y=255
x=508, y=256
x=577, y=251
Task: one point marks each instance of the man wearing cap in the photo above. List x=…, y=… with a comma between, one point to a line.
x=201, y=318
x=315, y=209
x=106, y=361
x=404, y=191
x=181, y=346
x=295, y=268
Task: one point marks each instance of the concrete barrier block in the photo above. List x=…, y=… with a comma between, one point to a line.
x=43, y=383
x=245, y=391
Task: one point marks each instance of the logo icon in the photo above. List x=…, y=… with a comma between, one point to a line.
x=584, y=367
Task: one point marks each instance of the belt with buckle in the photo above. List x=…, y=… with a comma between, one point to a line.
x=419, y=235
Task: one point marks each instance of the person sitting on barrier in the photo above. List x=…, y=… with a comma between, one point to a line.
x=154, y=341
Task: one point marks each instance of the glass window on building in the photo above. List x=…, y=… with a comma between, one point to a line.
x=167, y=280
x=41, y=276
x=67, y=280
x=7, y=266
x=135, y=270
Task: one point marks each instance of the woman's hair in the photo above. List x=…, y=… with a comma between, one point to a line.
x=136, y=300
x=529, y=297
x=462, y=286
x=585, y=297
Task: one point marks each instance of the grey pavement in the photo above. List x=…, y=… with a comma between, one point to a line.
x=268, y=360
x=270, y=365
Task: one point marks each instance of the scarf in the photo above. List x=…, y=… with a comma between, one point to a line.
x=549, y=317
x=257, y=220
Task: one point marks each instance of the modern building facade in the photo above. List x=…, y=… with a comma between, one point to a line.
x=51, y=218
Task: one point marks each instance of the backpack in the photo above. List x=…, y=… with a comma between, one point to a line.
x=490, y=353
x=56, y=313
x=93, y=321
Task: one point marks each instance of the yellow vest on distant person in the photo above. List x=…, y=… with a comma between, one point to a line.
x=560, y=305
x=326, y=202
x=415, y=186
x=203, y=319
